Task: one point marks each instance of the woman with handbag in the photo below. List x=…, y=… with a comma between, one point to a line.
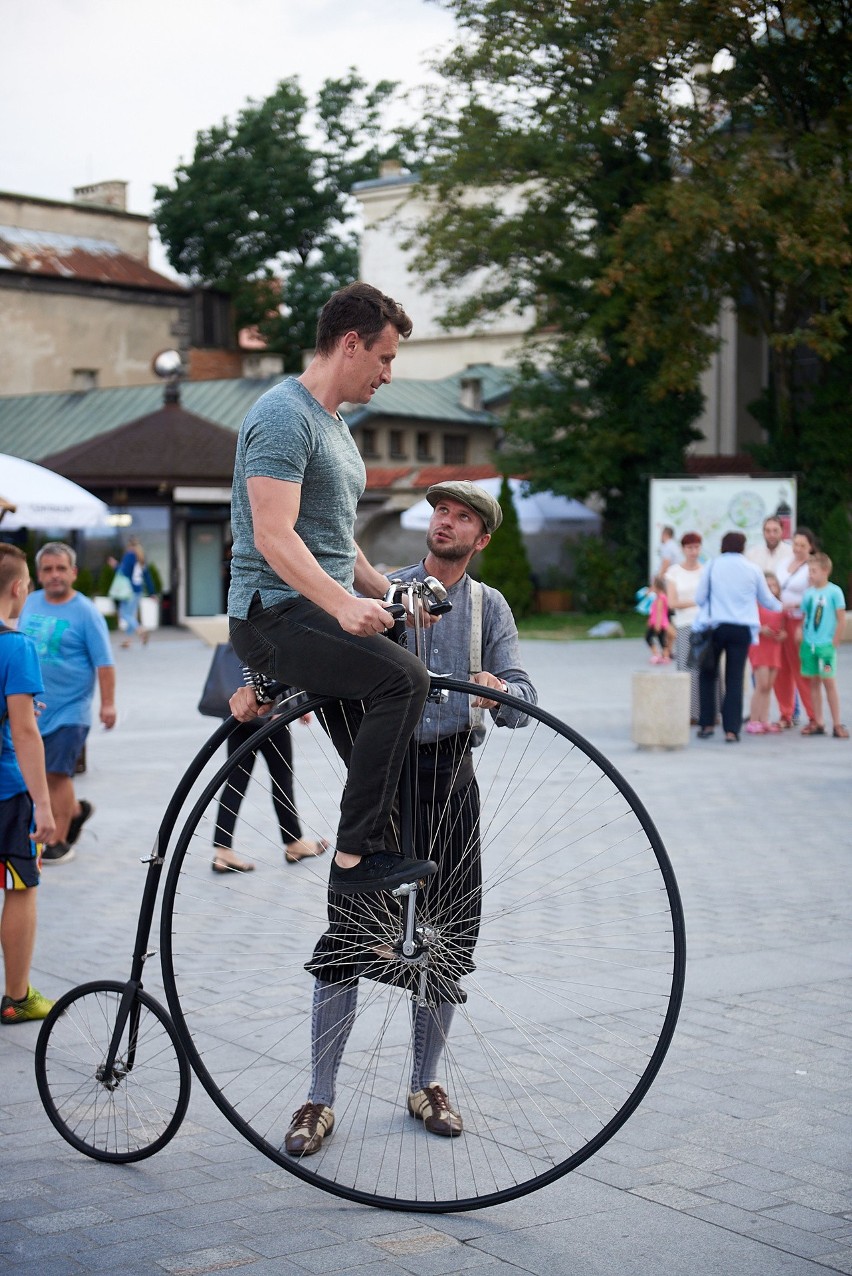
x=223, y=679
x=730, y=591
x=681, y=584
x=131, y=576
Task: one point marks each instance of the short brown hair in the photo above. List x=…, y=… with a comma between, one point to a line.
x=690, y=538
x=822, y=560
x=359, y=308
x=12, y=564
x=733, y=543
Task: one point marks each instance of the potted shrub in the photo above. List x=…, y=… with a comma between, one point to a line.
x=101, y=599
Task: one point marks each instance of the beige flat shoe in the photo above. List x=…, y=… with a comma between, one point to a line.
x=220, y=865
x=302, y=850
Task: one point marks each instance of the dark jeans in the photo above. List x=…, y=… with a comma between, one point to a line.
x=278, y=755
x=735, y=641
x=302, y=645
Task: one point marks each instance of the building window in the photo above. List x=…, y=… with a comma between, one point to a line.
x=455, y=449
x=397, y=445
x=212, y=320
x=369, y=443
x=84, y=379
x=424, y=446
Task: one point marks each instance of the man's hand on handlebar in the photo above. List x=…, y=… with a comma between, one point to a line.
x=364, y=617
x=486, y=680
x=243, y=705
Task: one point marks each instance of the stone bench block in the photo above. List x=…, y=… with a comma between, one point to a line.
x=660, y=709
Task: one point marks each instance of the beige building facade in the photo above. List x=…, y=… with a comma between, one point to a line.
x=80, y=307
x=391, y=208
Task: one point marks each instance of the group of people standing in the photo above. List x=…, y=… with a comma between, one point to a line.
x=773, y=606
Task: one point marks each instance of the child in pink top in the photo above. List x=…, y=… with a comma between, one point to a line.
x=657, y=633
x=765, y=657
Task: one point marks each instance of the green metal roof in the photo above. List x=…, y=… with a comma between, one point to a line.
x=496, y=382
x=37, y=425
x=436, y=400
x=34, y=426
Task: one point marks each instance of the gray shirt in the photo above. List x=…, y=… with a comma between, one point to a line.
x=447, y=651
x=288, y=435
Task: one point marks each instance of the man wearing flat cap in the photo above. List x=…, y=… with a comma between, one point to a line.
x=478, y=642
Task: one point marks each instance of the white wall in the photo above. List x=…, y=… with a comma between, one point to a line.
x=391, y=208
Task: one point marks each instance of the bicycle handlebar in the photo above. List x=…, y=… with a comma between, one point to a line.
x=429, y=593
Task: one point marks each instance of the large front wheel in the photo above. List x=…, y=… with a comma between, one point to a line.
x=554, y=931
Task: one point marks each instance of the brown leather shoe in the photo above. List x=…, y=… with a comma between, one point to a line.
x=432, y=1107
x=312, y=1123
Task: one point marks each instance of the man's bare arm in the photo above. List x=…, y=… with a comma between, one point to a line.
x=275, y=507
x=106, y=689
x=29, y=751
x=368, y=581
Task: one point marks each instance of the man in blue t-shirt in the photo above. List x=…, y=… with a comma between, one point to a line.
x=26, y=819
x=72, y=642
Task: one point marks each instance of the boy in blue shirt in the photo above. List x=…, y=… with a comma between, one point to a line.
x=26, y=819
x=823, y=622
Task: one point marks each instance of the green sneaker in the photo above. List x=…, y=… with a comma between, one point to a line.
x=33, y=1006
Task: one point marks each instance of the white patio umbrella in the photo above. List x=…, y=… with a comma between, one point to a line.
x=536, y=510
x=42, y=499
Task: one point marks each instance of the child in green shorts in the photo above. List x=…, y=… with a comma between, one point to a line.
x=823, y=622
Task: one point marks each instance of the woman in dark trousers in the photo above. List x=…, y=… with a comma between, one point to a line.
x=729, y=592
x=277, y=752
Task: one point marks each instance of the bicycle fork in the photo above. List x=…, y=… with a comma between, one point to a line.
x=416, y=940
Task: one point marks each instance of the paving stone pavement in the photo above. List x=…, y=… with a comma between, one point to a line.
x=738, y=1160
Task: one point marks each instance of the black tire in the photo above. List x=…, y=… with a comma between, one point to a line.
x=579, y=971
x=140, y=1111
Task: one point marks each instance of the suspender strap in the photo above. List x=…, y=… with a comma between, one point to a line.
x=475, y=658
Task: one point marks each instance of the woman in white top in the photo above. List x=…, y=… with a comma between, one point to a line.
x=793, y=579
x=681, y=584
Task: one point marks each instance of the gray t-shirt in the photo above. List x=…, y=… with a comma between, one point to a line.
x=288, y=435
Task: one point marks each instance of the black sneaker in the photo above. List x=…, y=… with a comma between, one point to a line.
x=379, y=872
x=58, y=853
x=86, y=812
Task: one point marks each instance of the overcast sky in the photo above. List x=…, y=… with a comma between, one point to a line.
x=95, y=90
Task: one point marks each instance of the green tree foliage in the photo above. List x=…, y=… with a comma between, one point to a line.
x=758, y=118
x=660, y=160
x=504, y=563
x=544, y=86
x=604, y=576
x=262, y=210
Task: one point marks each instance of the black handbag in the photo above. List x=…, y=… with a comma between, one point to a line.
x=225, y=677
x=701, y=654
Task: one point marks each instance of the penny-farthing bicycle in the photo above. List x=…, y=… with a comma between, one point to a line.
x=558, y=1030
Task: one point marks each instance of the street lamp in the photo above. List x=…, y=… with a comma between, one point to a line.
x=168, y=364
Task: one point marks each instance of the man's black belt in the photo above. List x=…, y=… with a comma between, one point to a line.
x=449, y=746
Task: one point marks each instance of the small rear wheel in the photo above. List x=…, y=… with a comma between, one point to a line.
x=125, y=1113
